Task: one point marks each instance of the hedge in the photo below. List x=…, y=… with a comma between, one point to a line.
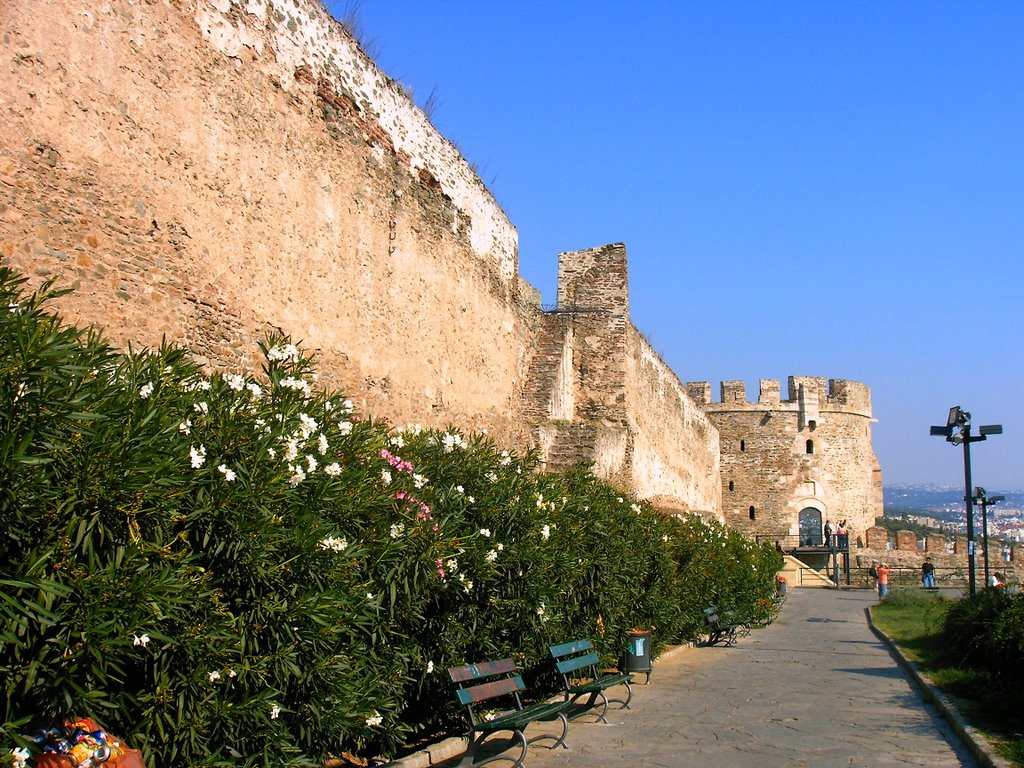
x=231, y=570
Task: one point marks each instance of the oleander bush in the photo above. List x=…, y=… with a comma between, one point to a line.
x=986, y=632
x=237, y=570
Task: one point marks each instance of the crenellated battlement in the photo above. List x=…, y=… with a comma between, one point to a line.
x=806, y=393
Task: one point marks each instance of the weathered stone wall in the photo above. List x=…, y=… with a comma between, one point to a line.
x=675, y=447
x=210, y=171
x=812, y=451
x=598, y=392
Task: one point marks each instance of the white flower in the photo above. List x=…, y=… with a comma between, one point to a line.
x=298, y=475
x=377, y=719
x=297, y=384
x=452, y=440
x=471, y=500
x=419, y=480
x=322, y=444
x=145, y=390
x=506, y=459
x=369, y=595
x=20, y=755
x=142, y=639
x=271, y=452
x=235, y=381
x=185, y=427
x=255, y=389
x=397, y=441
x=492, y=477
x=229, y=475
x=460, y=489
x=232, y=673
x=275, y=712
x=201, y=407
x=397, y=529
x=288, y=352
x=491, y=556
x=347, y=405
x=311, y=464
x=541, y=611
x=333, y=470
x=430, y=667
x=345, y=427
x=214, y=676
x=335, y=543
x=452, y=565
x=198, y=456
x=292, y=449
x=308, y=425
x=385, y=476
x=500, y=547
x=485, y=532
x=545, y=532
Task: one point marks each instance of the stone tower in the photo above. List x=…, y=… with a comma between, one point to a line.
x=788, y=466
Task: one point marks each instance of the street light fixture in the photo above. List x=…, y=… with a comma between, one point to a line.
x=958, y=432
x=984, y=501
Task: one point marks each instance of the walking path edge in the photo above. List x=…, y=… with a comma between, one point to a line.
x=972, y=737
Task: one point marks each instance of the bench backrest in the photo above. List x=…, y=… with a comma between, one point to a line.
x=575, y=659
x=475, y=683
x=711, y=614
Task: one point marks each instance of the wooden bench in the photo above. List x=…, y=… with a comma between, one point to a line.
x=720, y=631
x=577, y=663
x=498, y=683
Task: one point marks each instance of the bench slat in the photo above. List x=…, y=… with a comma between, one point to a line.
x=576, y=646
x=483, y=669
x=577, y=662
x=484, y=691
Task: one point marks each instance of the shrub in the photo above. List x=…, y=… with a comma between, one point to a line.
x=970, y=624
x=228, y=570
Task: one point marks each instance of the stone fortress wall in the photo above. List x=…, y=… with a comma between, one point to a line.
x=903, y=552
x=609, y=397
x=789, y=465
x=210, y=171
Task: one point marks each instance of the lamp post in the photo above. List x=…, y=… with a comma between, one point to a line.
x=984, y=501
x=958, y=431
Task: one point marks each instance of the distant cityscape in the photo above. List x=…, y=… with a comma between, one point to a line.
x=943, y=507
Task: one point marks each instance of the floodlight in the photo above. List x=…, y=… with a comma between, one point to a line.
x=958, y=432
x=994, y=499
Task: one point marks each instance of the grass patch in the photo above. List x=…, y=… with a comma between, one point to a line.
x=914, y=618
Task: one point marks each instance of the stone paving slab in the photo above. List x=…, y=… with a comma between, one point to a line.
x=817, y=689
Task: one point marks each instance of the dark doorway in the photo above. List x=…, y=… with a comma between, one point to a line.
x=810, y=527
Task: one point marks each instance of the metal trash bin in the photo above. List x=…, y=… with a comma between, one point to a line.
x=638, y=653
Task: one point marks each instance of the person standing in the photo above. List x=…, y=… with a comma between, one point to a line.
x=928, y=574
x=883, y=580
x=828, y=533
x=843, y=534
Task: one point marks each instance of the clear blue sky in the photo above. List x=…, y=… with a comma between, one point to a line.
x=815, y=188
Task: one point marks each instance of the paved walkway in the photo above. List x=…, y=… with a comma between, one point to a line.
x=815, y=689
